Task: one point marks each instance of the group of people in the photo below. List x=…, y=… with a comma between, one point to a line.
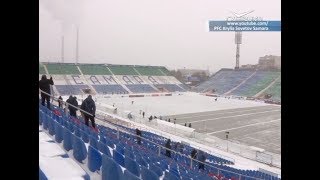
x=87, y=108
x=198, y=155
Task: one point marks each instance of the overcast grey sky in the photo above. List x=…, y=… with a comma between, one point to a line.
x=172, y=33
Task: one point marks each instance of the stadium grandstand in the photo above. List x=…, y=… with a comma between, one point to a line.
x=77, y=79
x=68, y=149
x=245, y=83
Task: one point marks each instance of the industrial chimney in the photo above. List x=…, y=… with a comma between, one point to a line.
x=77, y=46
x=62, y=49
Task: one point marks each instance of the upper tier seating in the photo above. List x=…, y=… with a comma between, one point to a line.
x=122, y=70
x=62, y=69
x=149, y=71
x=94, y=69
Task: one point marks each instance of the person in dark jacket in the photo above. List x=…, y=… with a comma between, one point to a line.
x=60, y=100
x=194, y=154
x=201, y=158
x=44, y=85
x=138, y=132
x=73, y=101
x=168, y=145
x=89, y=106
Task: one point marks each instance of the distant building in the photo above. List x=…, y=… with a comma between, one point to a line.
x=249, y=66
x=193, y=76
x=270, y=62
x=189, y=72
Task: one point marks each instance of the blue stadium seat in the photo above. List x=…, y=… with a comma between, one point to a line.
x=71, y=127
x=103, y=139
x=140, y=161
x=59, y=132
x=40, y=117
x=156, y=169
x=109, y=143
x=129, y=176
x=42, y=176
x=93, y=141
x=51, y=127
x=110, y=169
x=170, y=176
x=94, y=159
x=67, y=139
x=205, y=177
x=163, y=165
x=118, y=158
x=147, y=174
x=120, y=148
x=84, y=136
x=79, y=149
x=45, y=122
x=77, y=132
x=128, y=153
x=132, y=166
x=104, y=149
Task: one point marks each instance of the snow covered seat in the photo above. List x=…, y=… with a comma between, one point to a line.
x=103, y=148
x=42, y=176
x=170, y=176
x=148, y=174
x=94, y=159
x=118, y=157
x=93, y=141
x=110, y=169
x=67, y=139
x=45, y=122
x=84, y=136
x=59, y=132
x=51, y=126
x=129, y=176
x=79, y=149
x=132, y=166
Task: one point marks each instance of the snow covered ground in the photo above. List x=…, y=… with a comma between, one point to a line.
x=176, y=104
x=52, y=162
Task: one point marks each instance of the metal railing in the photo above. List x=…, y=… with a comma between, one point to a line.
x=103, y=121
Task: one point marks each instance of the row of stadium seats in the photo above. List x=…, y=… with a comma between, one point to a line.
x=70, y=89
x=256, y=83
x=275, y=90
x=62, y=69
x=105, y=154
x=116, y=89
x=141, y=88
x=109, y=89
x=224, y=80
x=101, y=69
x=253, y=82
x=102, y=152
x=94, y=69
